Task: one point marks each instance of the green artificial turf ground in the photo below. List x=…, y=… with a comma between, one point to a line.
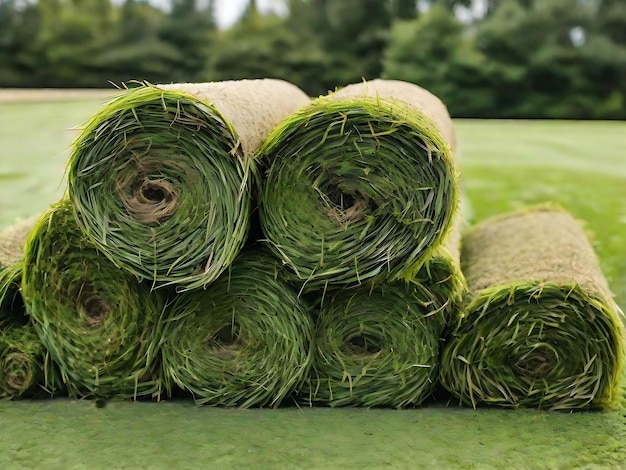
x=504, y=165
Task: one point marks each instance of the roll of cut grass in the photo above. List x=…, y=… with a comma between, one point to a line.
x=161, y=177
x=379, y=344
x=25, y=367
x=540, y=328
x=98, y=323
x=359, y=184
x=244, y=341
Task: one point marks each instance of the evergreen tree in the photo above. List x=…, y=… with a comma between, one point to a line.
x=190, y=31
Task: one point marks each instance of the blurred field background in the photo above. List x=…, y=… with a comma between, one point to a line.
x=485, y=58
x=504, y=165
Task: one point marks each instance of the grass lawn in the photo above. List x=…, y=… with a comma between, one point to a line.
x=504, y=165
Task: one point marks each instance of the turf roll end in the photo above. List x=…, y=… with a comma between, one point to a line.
x=539, y=328
x=26, y=370
x=359, y=184
x=244, y=341
x=160, y=178
x=25, y=367
x=100, y=326
x=379, y=344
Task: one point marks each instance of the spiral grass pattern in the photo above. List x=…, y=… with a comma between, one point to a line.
x=160, y=184
x=244, y=341
x=98, y=323
x=544, y=346
x=539, y=327
x=379, y=344
x=356, y=188
x=25, y=368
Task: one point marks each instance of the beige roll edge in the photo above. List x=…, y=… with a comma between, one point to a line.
x=539, y=244
x=253, y=107
x=409, y=94
x=13, y=240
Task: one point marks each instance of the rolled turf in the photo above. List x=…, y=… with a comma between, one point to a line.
x=379, y=344
x=25, y=367
x=244, y=341
x=161, y=176
x=359, y=183
x=98, y=323
x=540, y=328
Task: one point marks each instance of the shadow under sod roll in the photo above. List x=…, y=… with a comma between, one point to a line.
x=26, y=370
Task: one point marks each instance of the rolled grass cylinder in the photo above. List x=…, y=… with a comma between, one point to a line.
x=25, y=367
x=244, y=341
x=23, y=362
x=161, y=177
x=539, y=328
x=359, y=184
x=379, y=344
x=98, y=323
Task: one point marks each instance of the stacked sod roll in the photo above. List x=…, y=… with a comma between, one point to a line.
x=160, y=194
x=99, y=324
x=359, y=184
x=244, y=341
x=359, y=194
x=379, y=344
x=144, y=281
x=25, y=368
x=540, y=327
x=161, y=177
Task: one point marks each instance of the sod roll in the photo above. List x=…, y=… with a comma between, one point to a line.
x=359, y=184
x=98, y=323
x=540, y=328
x=244, y=341
x=161, y=176
x=22, y=356
x=25, y=367
x=379, y=344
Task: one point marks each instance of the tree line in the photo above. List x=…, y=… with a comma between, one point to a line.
x=513, y=59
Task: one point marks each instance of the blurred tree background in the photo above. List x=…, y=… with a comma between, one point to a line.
x=484, y=58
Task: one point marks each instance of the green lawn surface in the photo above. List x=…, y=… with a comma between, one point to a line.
x=504, y=165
